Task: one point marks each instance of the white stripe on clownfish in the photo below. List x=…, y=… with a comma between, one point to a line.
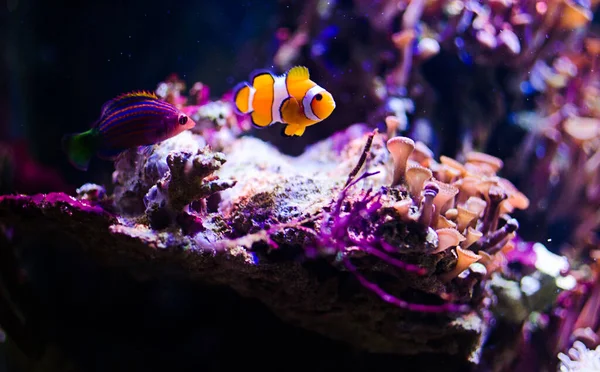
x=280, y=94
x=251, y=99
x=306, y=102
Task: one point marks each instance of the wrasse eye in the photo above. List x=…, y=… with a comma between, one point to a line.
x=319, y=97
x=183, y=119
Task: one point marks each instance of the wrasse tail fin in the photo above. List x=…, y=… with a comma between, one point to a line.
x=241, y=98
x=80, y=147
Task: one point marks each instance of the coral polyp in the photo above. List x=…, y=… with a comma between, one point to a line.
x=580, y=358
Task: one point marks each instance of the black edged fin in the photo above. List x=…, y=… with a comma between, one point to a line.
x=283, y=132
x=258, y=73
x=289, y=110
x=256, y=126
x=236, y=91
x=283, y=104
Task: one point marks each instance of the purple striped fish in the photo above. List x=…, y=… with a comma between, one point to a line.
x=129, y=120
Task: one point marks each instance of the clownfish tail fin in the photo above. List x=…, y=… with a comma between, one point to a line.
x=242, y=97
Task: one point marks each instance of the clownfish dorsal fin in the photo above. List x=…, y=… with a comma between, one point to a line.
x=126, y=99
x=298, y=73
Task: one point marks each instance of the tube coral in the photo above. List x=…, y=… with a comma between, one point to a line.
x=416, y=176
x=400, y=148
x=351, y=229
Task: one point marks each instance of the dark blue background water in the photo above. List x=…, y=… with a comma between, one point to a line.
x=62, y=60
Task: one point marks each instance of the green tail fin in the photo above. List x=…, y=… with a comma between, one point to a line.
x=80, y=148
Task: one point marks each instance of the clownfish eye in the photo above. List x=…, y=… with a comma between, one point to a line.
x=319, y=97
x=182, y=119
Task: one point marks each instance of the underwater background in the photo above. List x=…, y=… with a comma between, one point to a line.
x=62, y=61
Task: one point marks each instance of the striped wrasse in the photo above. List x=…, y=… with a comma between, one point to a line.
x=129, y=120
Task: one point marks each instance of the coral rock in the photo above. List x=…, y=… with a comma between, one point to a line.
x=255, y=238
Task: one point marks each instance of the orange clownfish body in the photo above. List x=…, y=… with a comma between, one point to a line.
x=291, y=99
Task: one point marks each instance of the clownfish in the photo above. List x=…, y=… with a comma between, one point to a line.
x=292, y=99
x=135, y=119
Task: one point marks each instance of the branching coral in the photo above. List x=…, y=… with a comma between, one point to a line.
x=189, y=179
x=340, y=234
